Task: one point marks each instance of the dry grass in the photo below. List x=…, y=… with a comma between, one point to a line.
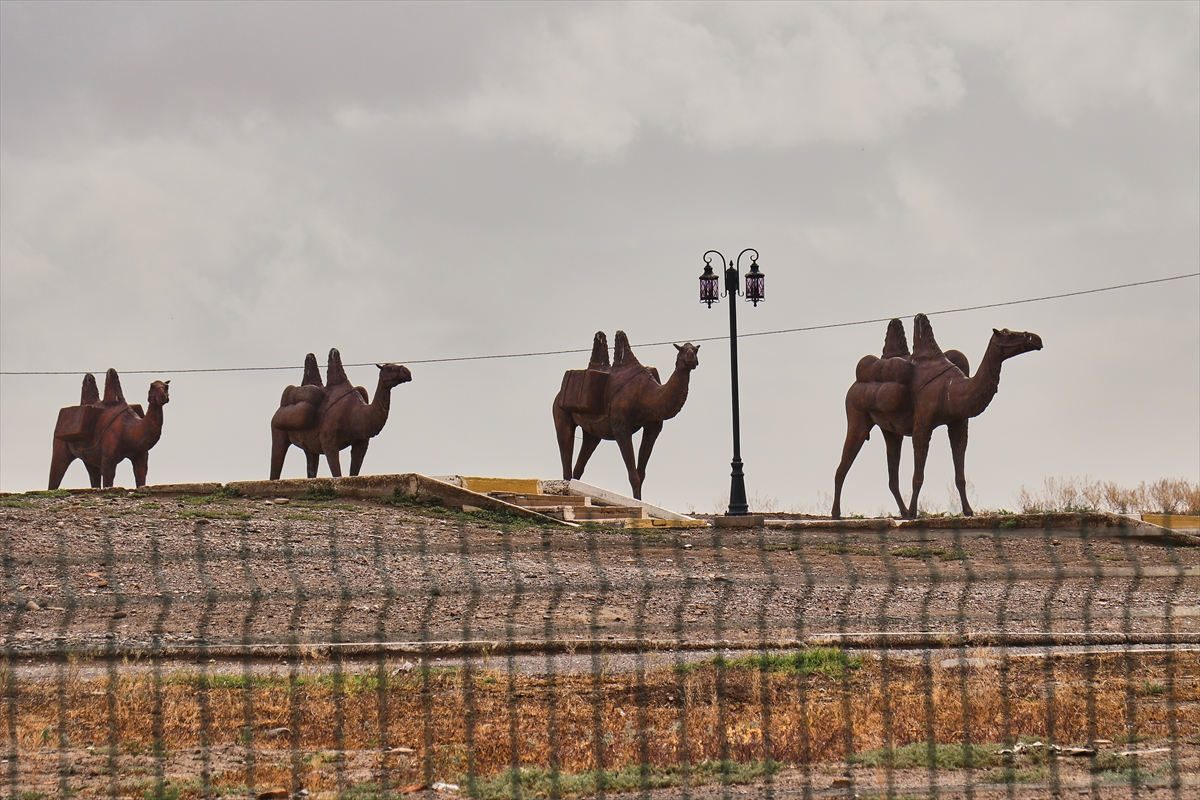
x=1164, y=496
x=343, y=730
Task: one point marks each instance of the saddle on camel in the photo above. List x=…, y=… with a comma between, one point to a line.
x=327, y=418
x=103, y=432
x=614, y=401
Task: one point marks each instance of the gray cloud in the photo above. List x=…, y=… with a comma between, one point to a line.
x=236, y=185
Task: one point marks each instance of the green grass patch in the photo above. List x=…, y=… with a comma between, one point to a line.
x=303, y=516
x=919, y=755
x=149, y=506
x=195, y=513
x=501, y=519
x=55, y=493
x=536, y=782
x=318, y=492
x=6, y=503
x=925, y=553
x=844, y=550
x=828, y=661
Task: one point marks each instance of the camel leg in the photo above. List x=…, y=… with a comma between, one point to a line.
x=958, y=450
x=586, y=448
x=895, y=442
x=312, y=462
x=858, y=430
x=334, y=459
x=93, y=474
x=650, y=432
x=108, y=471
x=279, y=448
x=140, y=462
x=564, y=428
x=625, y=442
x=358, y=451
x=921, y=435
x=59, y=461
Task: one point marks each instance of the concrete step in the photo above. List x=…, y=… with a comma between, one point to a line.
x=538, y=501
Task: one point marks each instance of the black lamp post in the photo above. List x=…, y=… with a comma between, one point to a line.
x=709, y=294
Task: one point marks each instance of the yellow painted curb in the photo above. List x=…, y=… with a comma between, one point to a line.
x=1175, y=522
x=514, y=485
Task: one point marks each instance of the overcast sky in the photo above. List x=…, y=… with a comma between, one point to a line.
x=237, y=184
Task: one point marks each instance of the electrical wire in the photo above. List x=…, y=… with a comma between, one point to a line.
x=536, y=353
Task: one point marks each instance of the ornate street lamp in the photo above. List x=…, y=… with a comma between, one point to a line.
x=755, y=293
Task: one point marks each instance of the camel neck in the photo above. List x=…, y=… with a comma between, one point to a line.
x=982, y=387
x=380, y=406
x=668, y=400
x=150, y=426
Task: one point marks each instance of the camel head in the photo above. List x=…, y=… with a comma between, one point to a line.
x=687, y=358
x=159, y=393
x=393, y=374
x=1013, y=343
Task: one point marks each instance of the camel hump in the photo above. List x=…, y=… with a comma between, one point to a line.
x=335, y=374
x=924, y=345
x=622, y=352
x=89, y=395
x=883, y=370
x=959, y=359
x=312, y=373
x=895, y=343
x=112, y=388
x=599, y=357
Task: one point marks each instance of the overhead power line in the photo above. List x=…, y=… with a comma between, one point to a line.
x=535, y=353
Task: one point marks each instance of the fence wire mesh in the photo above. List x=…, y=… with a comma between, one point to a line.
x=175, y=647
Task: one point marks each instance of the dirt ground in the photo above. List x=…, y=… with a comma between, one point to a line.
x=234, y=584
x=134, y=571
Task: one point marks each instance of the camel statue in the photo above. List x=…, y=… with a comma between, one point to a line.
x=911, y=396
x=614, y=402
x=328, y=419
x=104, y=432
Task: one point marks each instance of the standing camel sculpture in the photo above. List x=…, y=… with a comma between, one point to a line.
x=104, y=432
x=911, y=396
x=631, y=398
x=328, y=419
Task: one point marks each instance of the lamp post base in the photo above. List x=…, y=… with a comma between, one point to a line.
x=738, y=507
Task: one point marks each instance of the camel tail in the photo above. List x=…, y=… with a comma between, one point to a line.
x=90, y=394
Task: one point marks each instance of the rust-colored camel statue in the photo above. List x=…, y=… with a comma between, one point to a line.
x=614, y=402
x=911, y=396
x=104, y=432
x=328, y=419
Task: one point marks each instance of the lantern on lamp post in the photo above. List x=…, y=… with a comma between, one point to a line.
x=710, y=293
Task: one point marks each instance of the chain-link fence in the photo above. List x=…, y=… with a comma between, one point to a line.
x=168, y=646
